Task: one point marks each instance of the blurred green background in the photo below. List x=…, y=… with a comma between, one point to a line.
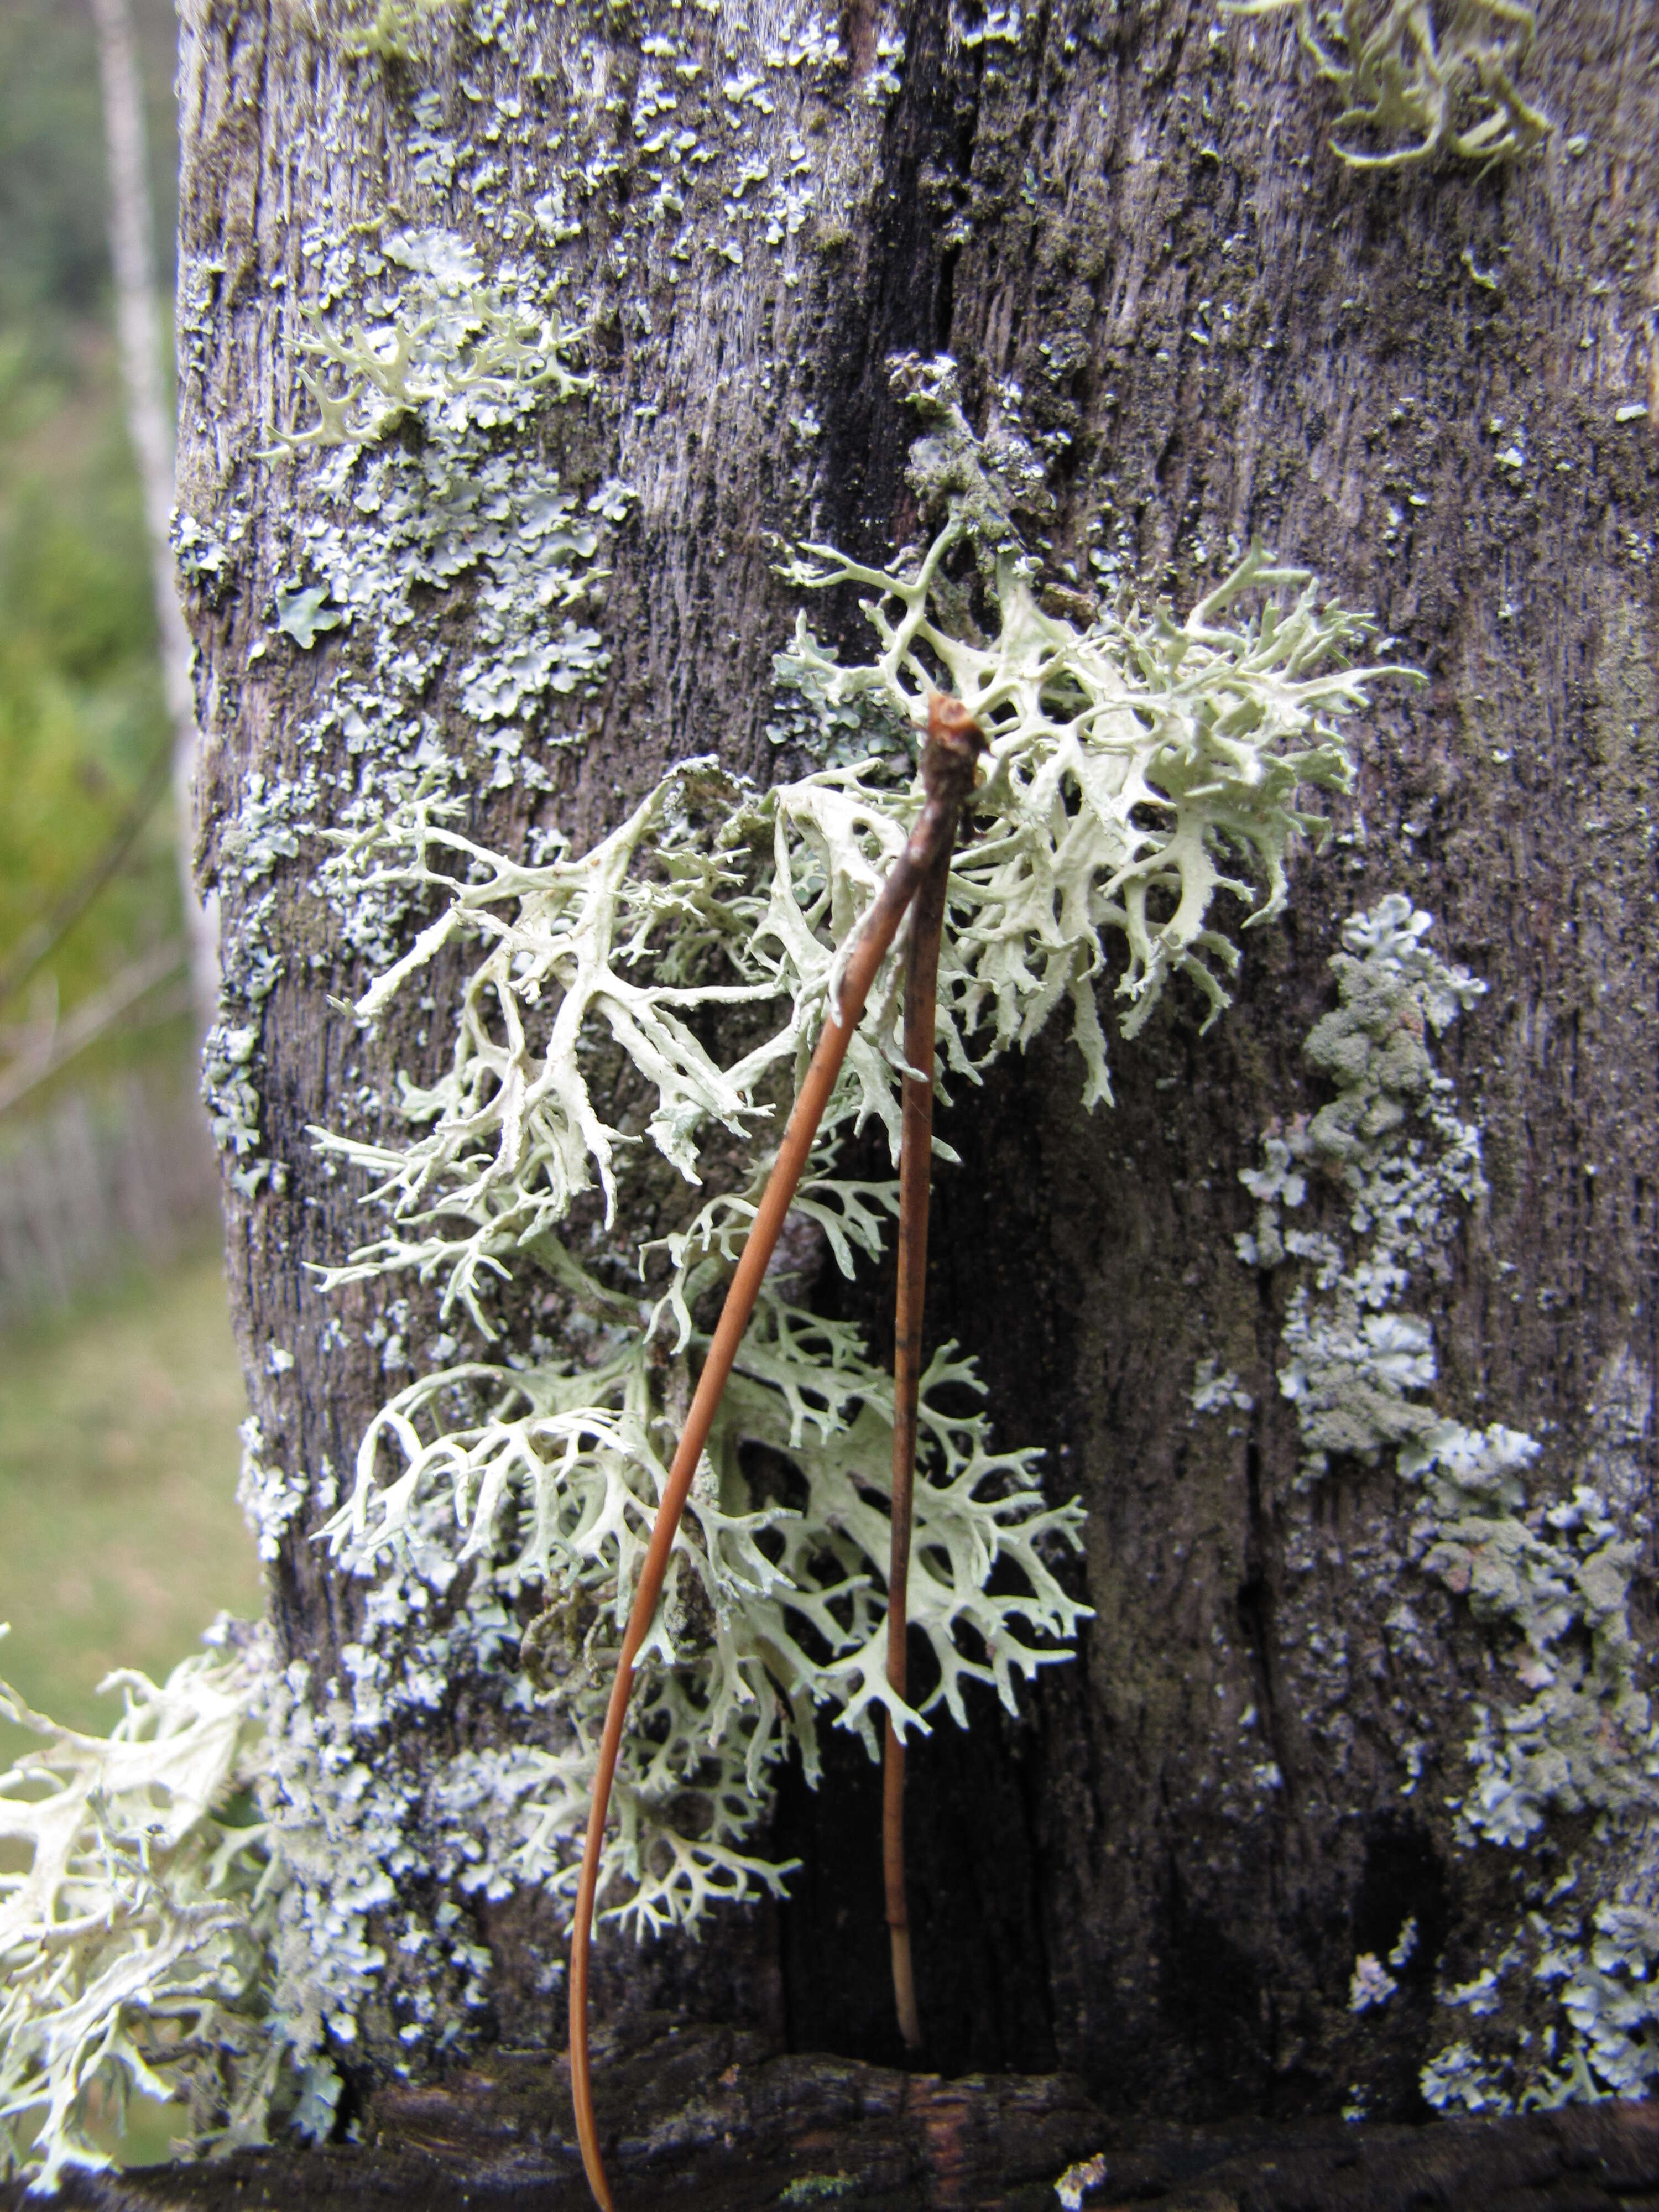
x=81, y=717
x=120, y=1391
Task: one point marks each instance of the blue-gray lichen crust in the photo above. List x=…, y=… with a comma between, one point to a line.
x=1562, y=1759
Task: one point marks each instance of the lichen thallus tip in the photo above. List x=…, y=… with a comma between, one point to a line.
x=953, y=744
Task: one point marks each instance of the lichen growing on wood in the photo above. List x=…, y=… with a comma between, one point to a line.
x=1563, y=1754
x=1136, y=767
x=457, y=349
x=1419, y=80
x=1139, y=766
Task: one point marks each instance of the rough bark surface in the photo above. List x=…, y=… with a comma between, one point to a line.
x=1137, y=215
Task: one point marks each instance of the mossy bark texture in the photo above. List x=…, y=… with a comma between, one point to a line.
x=1422, y=385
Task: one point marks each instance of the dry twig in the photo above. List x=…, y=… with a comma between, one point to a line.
x=947, y=767
x=916, y=1170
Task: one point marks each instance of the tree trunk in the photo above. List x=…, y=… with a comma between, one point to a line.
x=1438, y=387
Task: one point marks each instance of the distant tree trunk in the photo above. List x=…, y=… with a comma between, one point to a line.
x=1422, y=384
x=132, y=256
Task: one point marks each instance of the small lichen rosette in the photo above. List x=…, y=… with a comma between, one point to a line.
x=455, y=347
x=134, y=1941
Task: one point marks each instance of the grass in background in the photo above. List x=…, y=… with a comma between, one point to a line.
x=122, y=1536
x=83, y=731
x=118, y=1455
x=82, y=722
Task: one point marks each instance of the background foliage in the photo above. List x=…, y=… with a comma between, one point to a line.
x=82, y=721
x=118, y=1418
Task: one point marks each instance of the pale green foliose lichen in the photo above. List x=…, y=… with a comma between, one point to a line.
x=1393, y=1141
x=457, y=350
x=1135, y=767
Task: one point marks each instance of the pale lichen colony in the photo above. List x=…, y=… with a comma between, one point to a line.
x=239, y=1856
x=1129, y=760
x=1419, y=81
x=1561, y=1766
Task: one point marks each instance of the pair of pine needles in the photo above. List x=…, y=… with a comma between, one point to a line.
x=919, y=876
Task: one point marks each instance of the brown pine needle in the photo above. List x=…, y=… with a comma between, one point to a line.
x=947, y=770
x=915, y=1173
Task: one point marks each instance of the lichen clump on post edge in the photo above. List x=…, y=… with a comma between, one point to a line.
x=135, y=1944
